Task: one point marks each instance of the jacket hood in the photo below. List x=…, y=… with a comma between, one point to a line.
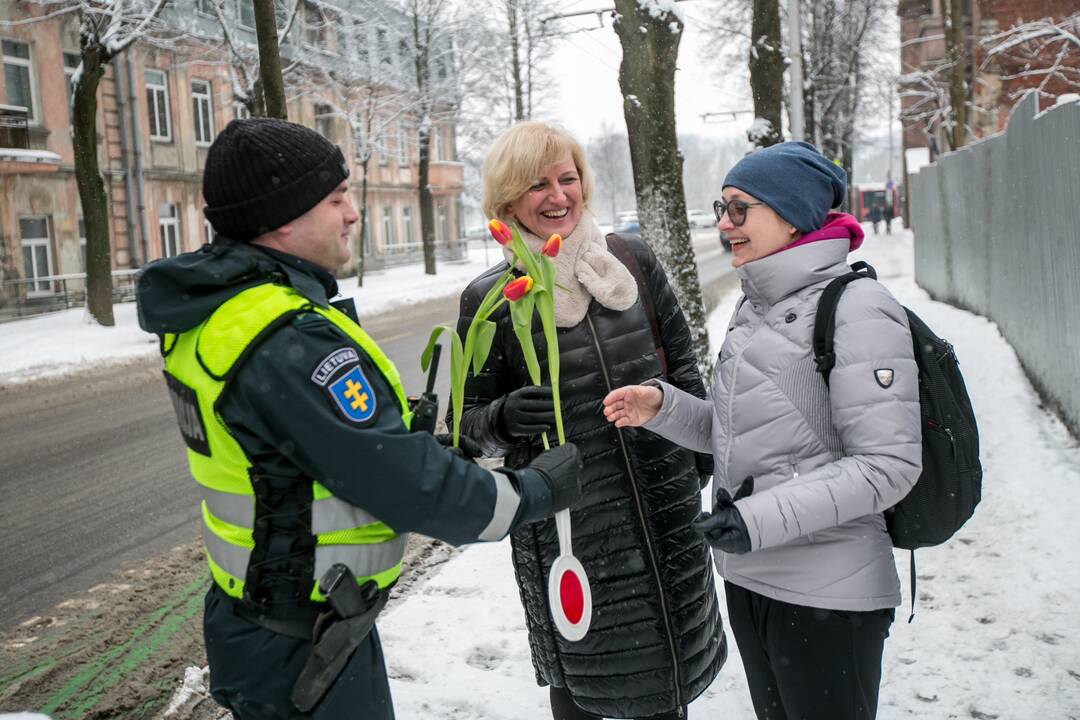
x=837, y=225
x=176, y=294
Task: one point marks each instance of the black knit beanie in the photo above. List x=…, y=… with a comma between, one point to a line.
x=263, y=172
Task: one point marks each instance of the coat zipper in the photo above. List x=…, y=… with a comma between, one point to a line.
x=644, y=528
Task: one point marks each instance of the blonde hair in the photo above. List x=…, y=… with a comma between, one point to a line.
x=517, y=157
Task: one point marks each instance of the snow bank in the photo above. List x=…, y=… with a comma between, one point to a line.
x=70, y=340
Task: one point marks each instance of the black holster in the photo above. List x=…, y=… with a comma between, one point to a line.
x=338, y=632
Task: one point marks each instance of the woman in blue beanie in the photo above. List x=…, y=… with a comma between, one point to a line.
x=803, y=471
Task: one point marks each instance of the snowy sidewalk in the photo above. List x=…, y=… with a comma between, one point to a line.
x=70, y=341
x=995, y=633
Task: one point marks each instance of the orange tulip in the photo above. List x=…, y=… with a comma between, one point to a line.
x=500, y=232
x=552, y=246
x=517, y=289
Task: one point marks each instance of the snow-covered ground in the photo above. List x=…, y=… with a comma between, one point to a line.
x=70, y=341
x=995, y=634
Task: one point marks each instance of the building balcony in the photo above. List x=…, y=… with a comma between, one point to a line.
x=446, y=176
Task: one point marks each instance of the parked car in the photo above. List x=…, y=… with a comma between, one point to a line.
x=700, y=218
x=627, y=222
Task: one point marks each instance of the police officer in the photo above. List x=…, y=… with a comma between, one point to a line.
x=297, y=432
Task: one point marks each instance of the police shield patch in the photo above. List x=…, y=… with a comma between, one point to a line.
x=884, y=377
x=353, y=396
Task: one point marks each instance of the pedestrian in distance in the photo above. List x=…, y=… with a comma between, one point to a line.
x=887, y=216
x=804, y=471
x=298, y=435
x=875, y=216
x=656, y=640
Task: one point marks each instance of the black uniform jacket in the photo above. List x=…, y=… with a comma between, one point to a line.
x=292, y=429
x=656, y=639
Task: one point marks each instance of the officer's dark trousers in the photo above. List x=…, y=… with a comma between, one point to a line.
x=806, y=663
x=252, y=671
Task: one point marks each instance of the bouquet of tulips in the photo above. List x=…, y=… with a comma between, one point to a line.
x=568, y=586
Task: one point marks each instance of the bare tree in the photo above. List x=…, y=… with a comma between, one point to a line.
x=244, y=64
x=106, y=29
x=649, y=34
x=1046, y=50
x=609, y=157
x=766, y=73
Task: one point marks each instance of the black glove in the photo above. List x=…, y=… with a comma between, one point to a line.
x=550, y=483
x=724, y=529
x=527, y=411
x=467, y=448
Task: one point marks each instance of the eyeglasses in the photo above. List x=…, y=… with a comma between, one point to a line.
x=736, y=210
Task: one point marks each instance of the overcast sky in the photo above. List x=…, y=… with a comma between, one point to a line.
x=586, y=66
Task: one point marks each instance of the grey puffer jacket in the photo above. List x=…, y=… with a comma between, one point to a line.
x=824, y=463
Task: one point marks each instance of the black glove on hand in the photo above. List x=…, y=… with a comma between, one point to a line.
x=724, y=529
x=467, y=448
x=527, y=411
x=559, y=470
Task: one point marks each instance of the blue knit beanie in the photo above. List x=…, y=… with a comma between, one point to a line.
x=792, y=178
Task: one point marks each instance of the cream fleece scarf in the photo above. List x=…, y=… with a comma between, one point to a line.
x=586, y=269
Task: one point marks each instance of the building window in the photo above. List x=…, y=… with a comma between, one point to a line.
x=240, y=110
x=367, y=233
x=245, y=13
x=169, y=229
x=435, y=154
x=404, y=57
x=389, y=241
x=37, y=253
x=407, y=225
x=382, y=45
x=82, y=242
x=71, y=64
x=341, y=39
x=402, y=143
x=444, y=225
x=314, y=26
x=203, y=112
x=360, y=44
x=205, y=7
x=157, y=104
x=324, y=120
x=19, y=76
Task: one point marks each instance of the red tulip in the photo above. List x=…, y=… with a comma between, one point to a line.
x=552, y=246
x=517, y=289
x=500, y=232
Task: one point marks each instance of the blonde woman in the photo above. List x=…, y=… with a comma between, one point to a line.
x=656, y=639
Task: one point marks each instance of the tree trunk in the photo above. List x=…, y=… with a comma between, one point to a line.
x=363, y=220
x=92, y=188
x=273, y=86
x=647, y=81
x=766, y=72
x=515, y=58
x=427, y=202
x=956, y=52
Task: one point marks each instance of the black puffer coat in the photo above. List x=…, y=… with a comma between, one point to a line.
x=656, y=640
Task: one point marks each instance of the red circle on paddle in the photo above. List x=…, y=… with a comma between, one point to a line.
x=571, y=596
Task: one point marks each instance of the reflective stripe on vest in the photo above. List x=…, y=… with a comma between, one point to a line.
x=201, y=359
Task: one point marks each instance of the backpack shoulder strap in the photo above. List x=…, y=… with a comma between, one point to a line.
x=620, y=249
x=825, y=322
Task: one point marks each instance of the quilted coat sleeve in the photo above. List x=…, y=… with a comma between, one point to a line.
x=878, y=423
x=484, y=392
x=683, y=371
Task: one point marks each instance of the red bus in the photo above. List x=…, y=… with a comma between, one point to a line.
x=866, y=195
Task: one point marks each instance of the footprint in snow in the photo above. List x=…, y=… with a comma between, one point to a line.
x=486, y=657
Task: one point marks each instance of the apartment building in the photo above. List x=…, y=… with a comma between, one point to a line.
x=160, y=105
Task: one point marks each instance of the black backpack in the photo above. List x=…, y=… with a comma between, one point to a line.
x=950, y=487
